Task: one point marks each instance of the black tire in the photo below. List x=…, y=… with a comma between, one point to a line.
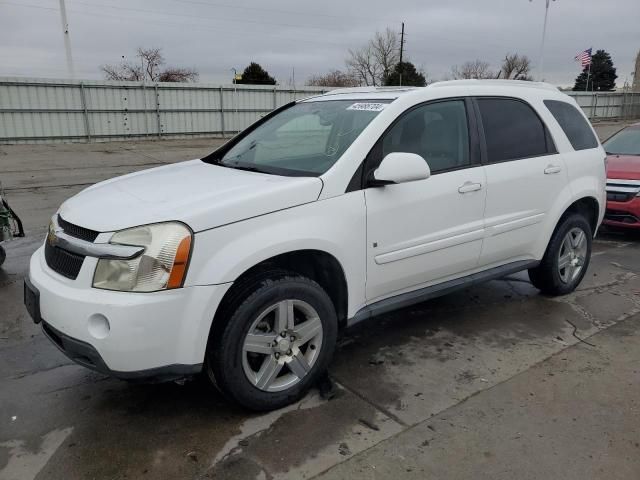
x=546, y=276
x=224, y=359
x=3, y=255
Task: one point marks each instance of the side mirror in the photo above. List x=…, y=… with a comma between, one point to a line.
x=400, y=167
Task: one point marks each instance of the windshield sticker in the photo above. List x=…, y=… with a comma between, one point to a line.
x=367, y=107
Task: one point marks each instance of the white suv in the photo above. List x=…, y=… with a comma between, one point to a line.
x=245, y=264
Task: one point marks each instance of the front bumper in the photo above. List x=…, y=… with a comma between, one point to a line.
x=623, y=214
x=159, y=335
x=86, y=355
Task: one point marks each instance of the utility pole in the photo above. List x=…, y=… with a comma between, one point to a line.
x=67, y=40
x=401, y=52
x=544, y=33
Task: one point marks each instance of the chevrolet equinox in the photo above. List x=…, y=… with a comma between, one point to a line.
x=244, y=265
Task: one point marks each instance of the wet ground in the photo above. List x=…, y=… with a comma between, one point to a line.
x=495, y=381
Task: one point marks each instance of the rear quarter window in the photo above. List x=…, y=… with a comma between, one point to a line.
x=573, y=124
x=512, y=130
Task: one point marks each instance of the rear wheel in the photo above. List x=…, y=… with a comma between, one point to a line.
x=275, y=342
x=567, y=257
x=3, y=255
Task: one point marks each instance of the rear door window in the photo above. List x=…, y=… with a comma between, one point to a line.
x=512, y=130
x=573, y=124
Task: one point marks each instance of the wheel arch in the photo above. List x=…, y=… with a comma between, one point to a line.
x=318, y=265
x=587, y=206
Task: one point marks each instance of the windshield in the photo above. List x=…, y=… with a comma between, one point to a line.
x=305, y=139
x=625, y=142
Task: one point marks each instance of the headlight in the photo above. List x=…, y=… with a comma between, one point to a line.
x=162, y=265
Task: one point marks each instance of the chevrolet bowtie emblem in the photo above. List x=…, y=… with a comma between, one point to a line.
x=52, y=235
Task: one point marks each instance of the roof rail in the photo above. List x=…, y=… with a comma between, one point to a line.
x=339, y=91
x=495, y=82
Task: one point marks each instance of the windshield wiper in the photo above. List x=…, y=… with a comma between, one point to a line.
x=248, y=168
x=624, y=154
x=251, y=146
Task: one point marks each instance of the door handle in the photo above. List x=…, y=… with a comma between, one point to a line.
x=552, y=169
x=467, y=187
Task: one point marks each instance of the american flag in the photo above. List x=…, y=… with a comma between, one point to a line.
x=584, y=58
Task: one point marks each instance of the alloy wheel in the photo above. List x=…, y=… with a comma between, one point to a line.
x=282, y=345
x=572, y=255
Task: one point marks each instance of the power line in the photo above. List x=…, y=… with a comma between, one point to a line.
x=286, y=12
x=171, y=14
x=182, y=25
x=219, y=19
x=200, y=26
x=154, y=22
x=30, y=6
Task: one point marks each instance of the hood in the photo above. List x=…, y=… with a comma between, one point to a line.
x=197, y=193
x=625, y=167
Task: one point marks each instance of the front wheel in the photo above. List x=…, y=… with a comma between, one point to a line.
x=274, y=344
x=3, y=255
x=567, y=257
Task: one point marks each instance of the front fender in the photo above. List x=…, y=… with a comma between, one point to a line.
x=336, y=226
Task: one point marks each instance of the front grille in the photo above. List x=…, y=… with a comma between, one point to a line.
x=76, y=231
x=621, y=190
x=620, y=196
x=65, y=263
x=620, y=216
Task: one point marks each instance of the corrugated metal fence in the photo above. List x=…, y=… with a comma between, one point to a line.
x=39, y=110
x=608, y=105
x=42, y=110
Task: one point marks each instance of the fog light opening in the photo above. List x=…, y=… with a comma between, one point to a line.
x=98, y=326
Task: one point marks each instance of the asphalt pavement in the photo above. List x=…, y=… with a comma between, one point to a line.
x=496, y=381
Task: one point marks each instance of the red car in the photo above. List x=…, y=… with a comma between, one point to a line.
x=623, y=178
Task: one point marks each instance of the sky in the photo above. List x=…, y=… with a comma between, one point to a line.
x=296, y=39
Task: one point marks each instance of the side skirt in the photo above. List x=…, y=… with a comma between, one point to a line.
x=417, y=296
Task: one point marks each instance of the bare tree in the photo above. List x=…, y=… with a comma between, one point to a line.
x=515, y=67
x=123, y=72
x=149, y=68
x=473, y=69
x=374, y=62
x=363, y=65
x=175, y=74
x=386, y=51
x=152, y=59
x=334, y=78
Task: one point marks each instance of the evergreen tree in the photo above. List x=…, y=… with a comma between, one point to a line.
x=410, y=76
x=256, y=75
x=602, y=77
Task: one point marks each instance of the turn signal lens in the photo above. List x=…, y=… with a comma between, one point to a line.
x=179, y=269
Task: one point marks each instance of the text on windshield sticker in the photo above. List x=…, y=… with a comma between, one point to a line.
x=367, y=107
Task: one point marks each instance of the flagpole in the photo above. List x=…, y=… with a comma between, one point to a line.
x=586, y=87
